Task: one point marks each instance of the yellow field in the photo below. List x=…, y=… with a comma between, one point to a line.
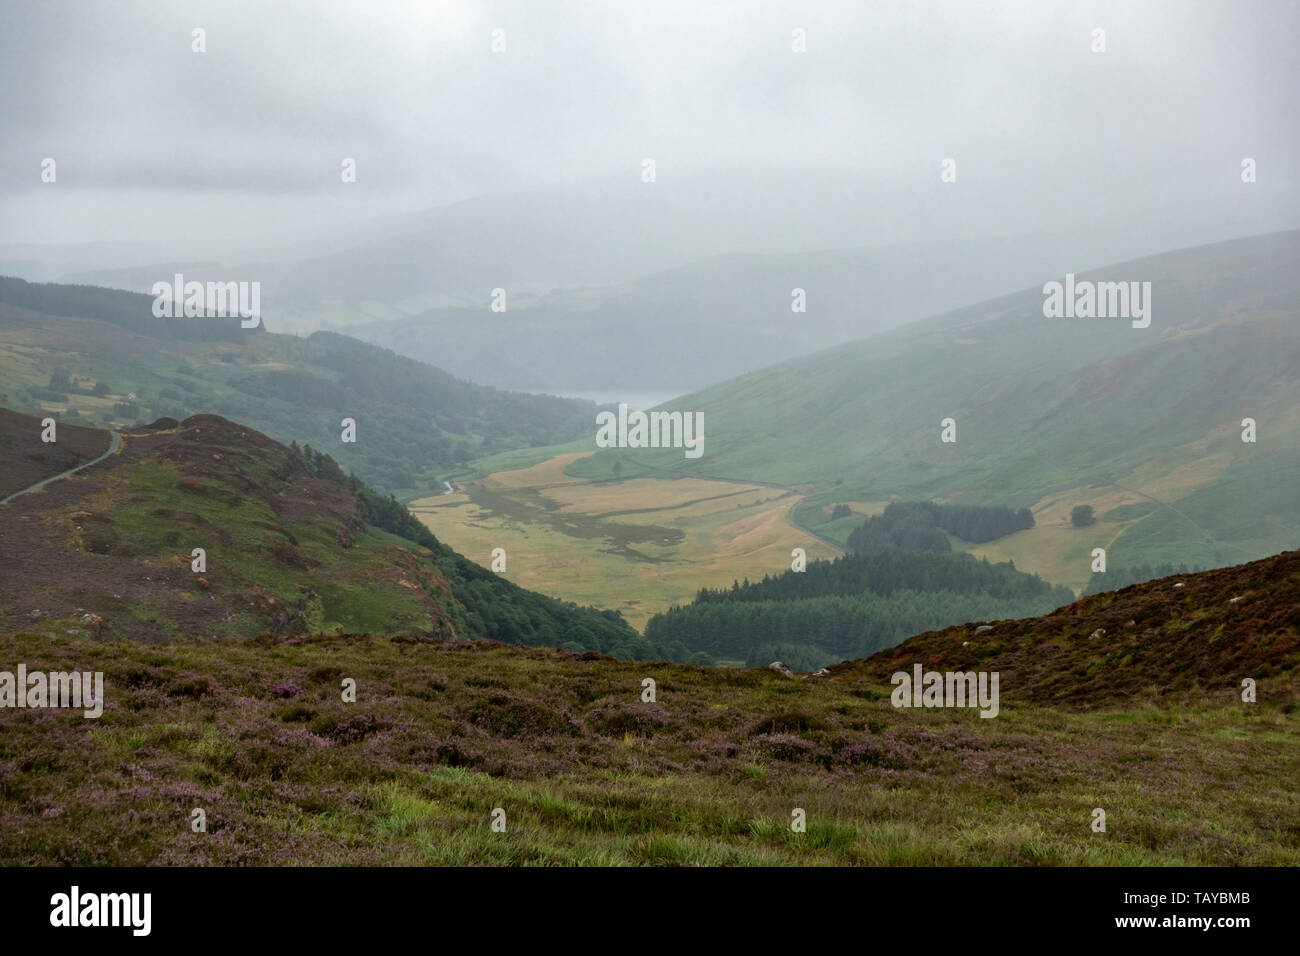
x=638, y=546
x=543, y=475
x=1054, y=549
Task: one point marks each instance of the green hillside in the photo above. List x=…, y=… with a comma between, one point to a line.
x=1049, y=413
x=290, y=546
x=80, y=352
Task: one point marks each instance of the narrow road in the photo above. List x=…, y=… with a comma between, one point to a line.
x=1209, y=537
x=113, y=446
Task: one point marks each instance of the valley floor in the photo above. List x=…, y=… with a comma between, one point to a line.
x=600, y=543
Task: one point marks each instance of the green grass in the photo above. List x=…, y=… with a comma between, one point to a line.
x=412, y=772
x=245, y=552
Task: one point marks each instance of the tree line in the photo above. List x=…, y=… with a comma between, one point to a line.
x=813, y=632
x=919, y=526
x=852, y=606
x=894, y=570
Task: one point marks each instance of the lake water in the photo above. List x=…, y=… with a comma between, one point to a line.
x=635, y=399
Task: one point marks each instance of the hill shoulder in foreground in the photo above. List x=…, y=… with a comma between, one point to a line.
x=443, y=733
x=1193, y=633
x=289, y=547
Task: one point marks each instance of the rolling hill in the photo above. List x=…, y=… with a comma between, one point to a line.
x=671, y=286
x=114, y=363
x=1143, y=423
x=1196, y=634
x=290, y=546
x=697, y=324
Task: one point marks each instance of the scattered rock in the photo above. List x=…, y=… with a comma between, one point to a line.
x=983, y=629
x=1234, y=600
x=1100, y=632
x=780, y=669
x=1179, y=584
x=821, y=673
x=964, y=643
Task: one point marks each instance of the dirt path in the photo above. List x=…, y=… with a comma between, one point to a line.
x=1210, y=537
x=113, y=446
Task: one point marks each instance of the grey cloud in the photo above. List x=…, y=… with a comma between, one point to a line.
x=413, y=91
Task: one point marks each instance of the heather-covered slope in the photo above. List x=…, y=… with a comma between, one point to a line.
x=28, y=460
x=443, y=733
x=1150, y=728
x=1200, y=633
x=288, y=549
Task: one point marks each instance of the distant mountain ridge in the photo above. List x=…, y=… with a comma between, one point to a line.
x=706, y=321
x=674, y=285
x=416, y=425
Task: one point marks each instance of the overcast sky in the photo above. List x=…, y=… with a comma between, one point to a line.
x=154, y=141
